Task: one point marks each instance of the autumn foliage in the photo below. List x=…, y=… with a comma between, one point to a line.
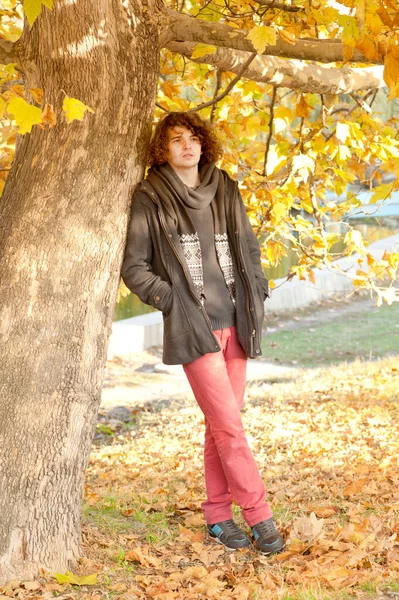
x=295, y=152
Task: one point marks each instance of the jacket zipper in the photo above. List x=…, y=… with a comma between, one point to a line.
x=183, y=266
x=243, y=270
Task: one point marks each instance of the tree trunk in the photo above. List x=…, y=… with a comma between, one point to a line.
x=63, y=219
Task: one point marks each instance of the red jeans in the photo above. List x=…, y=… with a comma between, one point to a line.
x=218, y=383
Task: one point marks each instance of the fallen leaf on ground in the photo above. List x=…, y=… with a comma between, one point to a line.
x=69, y=577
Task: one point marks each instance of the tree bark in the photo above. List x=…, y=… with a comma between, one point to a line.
x=8, y=52
x=183, y=28
x=289, y=73
x=63, y=219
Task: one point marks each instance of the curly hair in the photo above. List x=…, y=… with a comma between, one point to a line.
x=210, y=145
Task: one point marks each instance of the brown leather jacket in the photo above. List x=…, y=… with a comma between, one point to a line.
x=154, y=268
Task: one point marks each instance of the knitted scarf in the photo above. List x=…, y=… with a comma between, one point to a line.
x=175, y=197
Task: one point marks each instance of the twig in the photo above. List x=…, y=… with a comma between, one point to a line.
x=373, y=98
x=362, y=102
x=203, y=7
x=217, y=88
x=300, y=139
x=162, y=107
x=270, y=133
x=350, y=111
x=316, y=25
x=280, y=6
x=229, y=87
x=313, y=201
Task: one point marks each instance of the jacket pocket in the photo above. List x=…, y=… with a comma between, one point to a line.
x=260, y=297
x=175, y=321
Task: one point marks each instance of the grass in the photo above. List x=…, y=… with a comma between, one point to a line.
x=107, y=515
x=365, y=335
x=311, y=594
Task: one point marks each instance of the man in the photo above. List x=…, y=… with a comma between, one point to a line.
x=191, y=253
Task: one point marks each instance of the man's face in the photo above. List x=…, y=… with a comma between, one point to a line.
x=183, y=149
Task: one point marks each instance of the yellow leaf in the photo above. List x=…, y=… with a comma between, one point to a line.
x=170, y=89
x=368, y=48
x=202, y=50
x=261, y=37
x=273, y=161
x=302, y=109
x=18, y=89
x=279, y=125
x=282, y=112
x=279, y=211
x=304, y=165
x=69, y=577
x=343, y=154
x=382, y=192
x=350, y=34
x=74, y=109
x=342, y=132
x=287, y=36
x=3, y=105
x=373, y=22
x=391, y=65
x=32, y=10
x=26, y=115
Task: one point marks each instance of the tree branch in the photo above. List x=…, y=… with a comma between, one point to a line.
x=216, y=93
x=270, y=133
x=183, y=28
x=290, y=73
x=161, y=107
x=228, y=88
x=7, y=52
x=280, y=6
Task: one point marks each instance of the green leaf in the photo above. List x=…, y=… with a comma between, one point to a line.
x=26, y=115
x=261, y=37
x=69, y=577
x=202, y=50
x=74, y=109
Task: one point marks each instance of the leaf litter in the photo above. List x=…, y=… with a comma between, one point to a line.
x=326, y=442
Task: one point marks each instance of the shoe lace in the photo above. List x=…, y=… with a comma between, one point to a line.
x=230, y=528
x=266, y=528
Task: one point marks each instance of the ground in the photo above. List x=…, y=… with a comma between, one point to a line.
x=325, y=437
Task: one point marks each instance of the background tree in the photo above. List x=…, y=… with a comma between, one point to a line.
x=65, y=202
